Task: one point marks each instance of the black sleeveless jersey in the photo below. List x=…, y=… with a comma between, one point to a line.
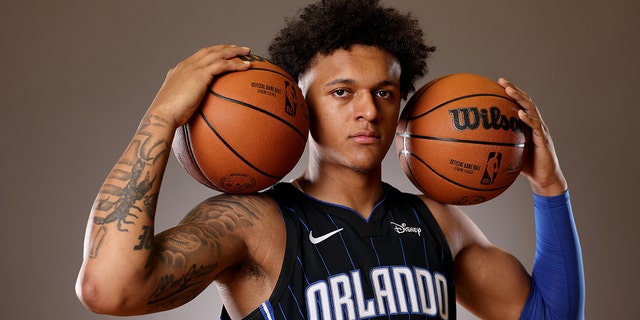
x=337, y=265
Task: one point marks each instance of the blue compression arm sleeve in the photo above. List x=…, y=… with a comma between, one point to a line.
x=557, y=284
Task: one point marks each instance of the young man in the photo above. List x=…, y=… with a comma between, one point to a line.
x=324, y=246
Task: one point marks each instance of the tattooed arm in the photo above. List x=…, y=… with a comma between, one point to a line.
x=125, y=268
x=236, y=240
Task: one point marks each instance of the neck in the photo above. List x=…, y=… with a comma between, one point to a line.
x=357, y=190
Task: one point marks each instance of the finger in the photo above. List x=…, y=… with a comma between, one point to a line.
x=525, y=101
x=218, y=59
x=533, y=122
x=226, y=52
x=223, y=51
x=513, y=90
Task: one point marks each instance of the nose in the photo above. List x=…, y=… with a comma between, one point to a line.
x=365, y=107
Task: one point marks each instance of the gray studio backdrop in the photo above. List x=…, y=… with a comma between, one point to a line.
x=76, y=77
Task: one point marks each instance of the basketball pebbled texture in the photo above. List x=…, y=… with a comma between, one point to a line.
x=460, y=140
x=248, y=133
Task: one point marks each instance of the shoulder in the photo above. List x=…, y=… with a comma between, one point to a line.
x=253, y=221
x=244, y=209
x=246, y=219
x=456, y=225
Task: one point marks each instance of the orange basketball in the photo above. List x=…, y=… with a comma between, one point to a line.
x=460, y=140
x=249, y=132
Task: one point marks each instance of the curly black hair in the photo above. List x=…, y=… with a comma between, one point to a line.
x=328, y=25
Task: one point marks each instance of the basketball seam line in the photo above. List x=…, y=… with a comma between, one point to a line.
x=503, y=144
x=461, y=98
x=274, y=71
x=445, y=178
x=187, y=140
x=260, y=110
x=204, y=117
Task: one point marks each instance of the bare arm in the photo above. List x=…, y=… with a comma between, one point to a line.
x=124, y=266
x=211, y=239
x=490, y=282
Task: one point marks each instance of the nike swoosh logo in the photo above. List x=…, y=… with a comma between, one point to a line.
x=317, y=240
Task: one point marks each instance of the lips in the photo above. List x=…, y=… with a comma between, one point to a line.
x=365, y=136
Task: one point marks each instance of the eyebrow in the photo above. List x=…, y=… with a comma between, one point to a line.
x=351, y=81
x=339, y=81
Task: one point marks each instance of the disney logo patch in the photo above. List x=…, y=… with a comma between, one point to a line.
x=403, y=228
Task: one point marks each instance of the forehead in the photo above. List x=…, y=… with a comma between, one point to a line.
x=358, y=63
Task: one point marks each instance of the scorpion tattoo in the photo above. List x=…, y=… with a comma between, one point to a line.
x=137, y=189
x=131, y=194
x=134, y=191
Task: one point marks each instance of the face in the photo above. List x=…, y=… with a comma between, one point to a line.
x=354, y=99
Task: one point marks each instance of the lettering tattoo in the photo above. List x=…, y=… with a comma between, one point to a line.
x=146, y=238
x=172, y=289
x=131, y=187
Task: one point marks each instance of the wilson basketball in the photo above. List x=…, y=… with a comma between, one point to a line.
x=460, y=140
x=249, y=131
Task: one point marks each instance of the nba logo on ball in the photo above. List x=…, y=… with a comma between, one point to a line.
x=460, y=140
x=492, y=168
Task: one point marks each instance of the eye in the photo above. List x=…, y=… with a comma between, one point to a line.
x=384, y=94
x=340, y=93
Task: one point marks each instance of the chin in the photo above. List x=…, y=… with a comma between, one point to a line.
x=365, y=167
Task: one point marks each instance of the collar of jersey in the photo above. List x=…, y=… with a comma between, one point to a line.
x=341, y=210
